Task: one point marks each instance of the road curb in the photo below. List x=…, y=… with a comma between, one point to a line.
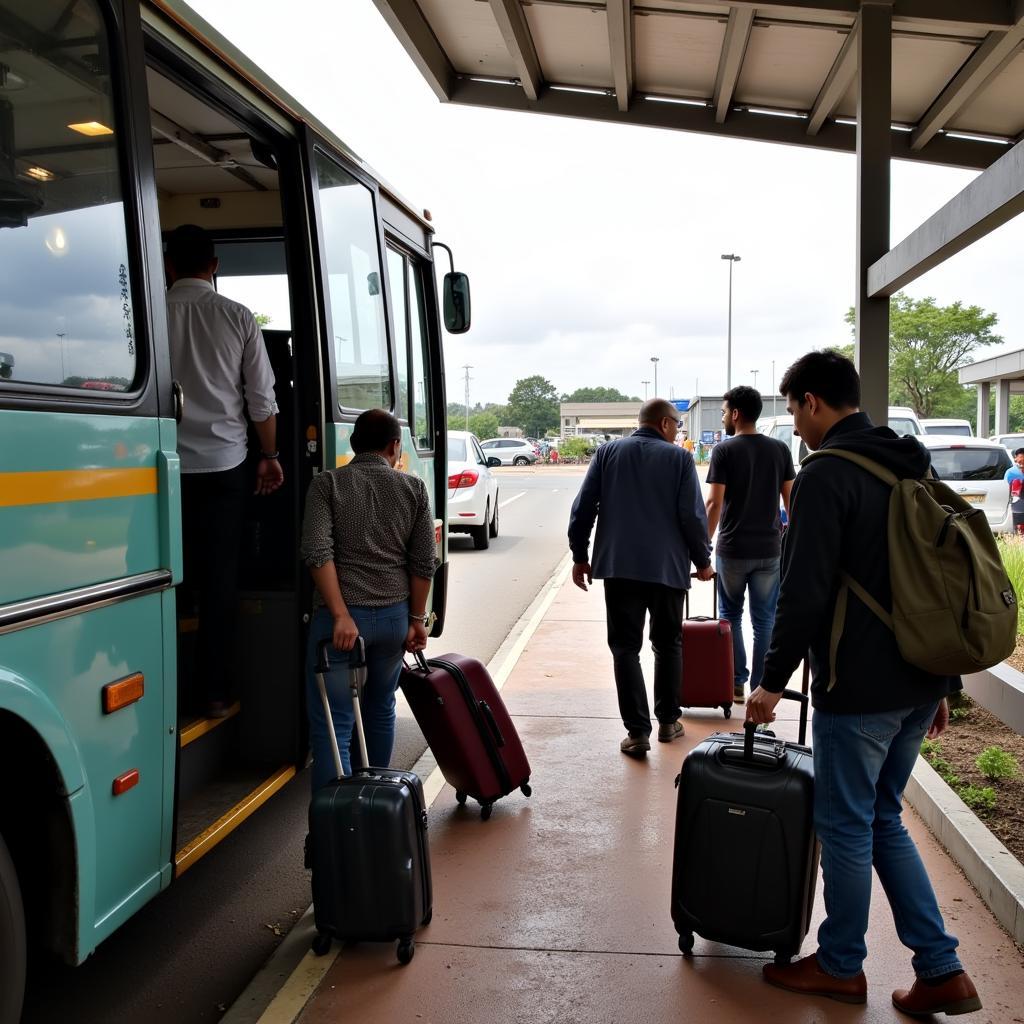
x=289, y=979
x=989, y=866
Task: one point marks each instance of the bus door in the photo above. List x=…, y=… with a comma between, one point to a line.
x=88, y=478
x=223, y=166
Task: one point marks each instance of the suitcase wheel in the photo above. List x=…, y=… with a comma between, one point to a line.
x=686, y=943
x=406, y=950
x=460, y=796
x=321, y=943
x=727, y=708
x=782, y=958
x=525, y=789
x=485, y=811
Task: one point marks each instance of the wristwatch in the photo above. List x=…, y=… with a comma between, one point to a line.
x=424, y=620
x=270, y=456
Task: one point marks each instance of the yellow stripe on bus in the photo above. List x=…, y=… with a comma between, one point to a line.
x=51, y=486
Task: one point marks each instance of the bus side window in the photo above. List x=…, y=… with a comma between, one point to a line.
x=356, y=299
x=423, y=432
x=65, y=290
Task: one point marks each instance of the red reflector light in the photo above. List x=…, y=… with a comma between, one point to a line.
x=123, y=692
x=467, y=515
x=125, y=782
x=467, y=478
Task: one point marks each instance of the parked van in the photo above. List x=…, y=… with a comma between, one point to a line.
x=961, y=428
x=901, y=419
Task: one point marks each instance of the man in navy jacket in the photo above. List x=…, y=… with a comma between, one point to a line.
x=651, y=524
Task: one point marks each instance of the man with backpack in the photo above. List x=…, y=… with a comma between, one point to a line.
x=842, y=572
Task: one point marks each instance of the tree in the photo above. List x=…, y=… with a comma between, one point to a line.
x=484, y=425
x=598, y=395
x=263, y=319
x=533, y=405
x=927, y=345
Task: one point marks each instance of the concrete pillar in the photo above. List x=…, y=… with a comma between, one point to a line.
x=874, y=152
x=984, y=390
x=1002, y=407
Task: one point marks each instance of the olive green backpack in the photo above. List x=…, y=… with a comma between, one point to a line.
x=954, y=609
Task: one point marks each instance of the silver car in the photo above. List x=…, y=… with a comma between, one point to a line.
x=510, y=451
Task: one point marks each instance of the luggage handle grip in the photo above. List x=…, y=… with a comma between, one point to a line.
x=357, y=662
x=750, y=728
x=714, y=597
x=492, y=723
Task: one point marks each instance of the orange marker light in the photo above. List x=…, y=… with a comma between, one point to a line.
x=123, y=692
x=125, y=782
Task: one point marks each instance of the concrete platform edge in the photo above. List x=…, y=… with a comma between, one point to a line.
x=993, y=871
x=284, y=985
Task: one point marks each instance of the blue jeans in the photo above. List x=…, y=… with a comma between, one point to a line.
x=383, y=631
x=861, y=766
x=761, y=577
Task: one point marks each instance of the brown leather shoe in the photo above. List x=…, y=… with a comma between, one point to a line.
x=958, y=995
x=807, y=978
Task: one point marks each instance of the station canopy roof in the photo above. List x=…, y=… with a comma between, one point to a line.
x=775, y=72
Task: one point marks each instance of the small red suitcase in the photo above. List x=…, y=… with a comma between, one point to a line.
x=467, y=727
x=707, y=660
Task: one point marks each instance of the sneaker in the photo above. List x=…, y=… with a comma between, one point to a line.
x=738, y=695
x=668, y=731
x=635, y=746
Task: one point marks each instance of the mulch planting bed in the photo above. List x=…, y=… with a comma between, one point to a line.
x=971, y=730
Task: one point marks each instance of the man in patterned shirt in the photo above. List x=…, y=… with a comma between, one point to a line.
x=368, y=539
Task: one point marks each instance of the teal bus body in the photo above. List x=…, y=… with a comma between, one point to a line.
x=92, y=793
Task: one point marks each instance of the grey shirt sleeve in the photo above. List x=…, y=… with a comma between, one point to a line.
x=257, y=376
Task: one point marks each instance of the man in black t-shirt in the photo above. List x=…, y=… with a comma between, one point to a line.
x=748, y=473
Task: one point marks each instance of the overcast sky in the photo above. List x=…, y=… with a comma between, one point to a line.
x=593, y=247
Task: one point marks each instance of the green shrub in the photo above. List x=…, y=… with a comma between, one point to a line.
x=930, y=749
x=996, y=763
x=959, y=714
x=981, y=799
x=574, y=447
x=1012, y=550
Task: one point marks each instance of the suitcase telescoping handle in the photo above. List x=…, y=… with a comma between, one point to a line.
x=357, y=677
x=714, y=597
x=750, y=728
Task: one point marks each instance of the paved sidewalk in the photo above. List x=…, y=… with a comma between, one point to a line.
x=557, y=909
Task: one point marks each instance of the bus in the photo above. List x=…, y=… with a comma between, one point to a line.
x=120, y=120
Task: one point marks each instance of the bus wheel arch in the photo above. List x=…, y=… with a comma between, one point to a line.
x=36, y=827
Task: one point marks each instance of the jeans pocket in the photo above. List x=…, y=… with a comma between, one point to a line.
x=883, y=726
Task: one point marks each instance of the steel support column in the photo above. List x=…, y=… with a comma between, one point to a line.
x=1002, y=407
x=874, y=156
x=984, y=390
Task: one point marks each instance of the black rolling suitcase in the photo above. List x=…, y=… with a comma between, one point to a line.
x=367, y=844
x=746, y=855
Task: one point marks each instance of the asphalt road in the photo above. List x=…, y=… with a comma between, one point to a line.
x=190, y=952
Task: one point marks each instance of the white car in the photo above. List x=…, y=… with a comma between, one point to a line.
x=510, y=451
x=1011, y=442
x=472, y=490
x=960, y=427
x=975, y=469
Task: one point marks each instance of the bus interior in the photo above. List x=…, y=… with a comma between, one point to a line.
x=213, y=171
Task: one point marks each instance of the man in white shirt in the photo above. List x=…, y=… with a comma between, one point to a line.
x=218, y=357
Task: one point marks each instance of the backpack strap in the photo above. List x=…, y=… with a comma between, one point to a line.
x=847, y=582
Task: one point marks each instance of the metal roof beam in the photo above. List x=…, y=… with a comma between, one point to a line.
x=985, y=204
x=620, y=41
x=516, y=33
x=983, y=14
x=406, y=20
x=596, y=105
x=998, y=49
x=734, y=47
x=839, y=79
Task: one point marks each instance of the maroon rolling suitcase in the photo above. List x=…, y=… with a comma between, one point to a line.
x=707, y=660
x=468, y=728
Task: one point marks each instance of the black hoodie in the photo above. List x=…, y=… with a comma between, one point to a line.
x=839, y=520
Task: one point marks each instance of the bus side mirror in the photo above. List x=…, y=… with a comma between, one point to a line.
x=456, y=302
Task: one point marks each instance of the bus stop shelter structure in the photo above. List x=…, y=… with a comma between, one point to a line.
x=1005, y=375
x=935, y=80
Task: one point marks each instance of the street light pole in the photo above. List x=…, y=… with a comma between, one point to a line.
x=655, y=360
x=732, y=258
x=645, y=383
x=754, y=372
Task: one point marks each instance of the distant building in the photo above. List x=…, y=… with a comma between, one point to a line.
x=704, y=415
x=616, y=419
x=510, y=431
